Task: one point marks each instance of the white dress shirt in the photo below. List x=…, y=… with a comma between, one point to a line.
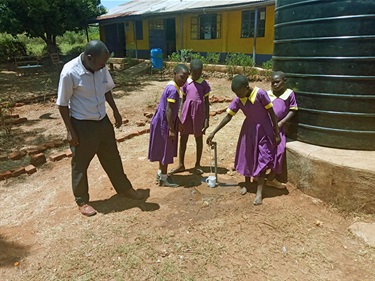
x=83, y=91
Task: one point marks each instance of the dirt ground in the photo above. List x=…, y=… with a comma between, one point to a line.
x=188, y=233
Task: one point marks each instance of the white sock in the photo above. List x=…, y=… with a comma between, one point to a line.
x=159, y=172
x=163, y=177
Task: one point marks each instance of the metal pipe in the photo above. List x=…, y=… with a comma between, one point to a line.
x=255, y=34
x=214, y=147
x=182, y=31
x=135, y=38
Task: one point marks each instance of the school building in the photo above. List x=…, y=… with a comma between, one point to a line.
x=233, y=26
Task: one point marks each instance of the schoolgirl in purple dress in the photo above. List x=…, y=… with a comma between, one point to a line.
x=165, y=125
x=285, y=106
x=259, y=134
x=194, y=114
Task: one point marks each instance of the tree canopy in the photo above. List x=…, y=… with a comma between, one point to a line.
x=47, y=18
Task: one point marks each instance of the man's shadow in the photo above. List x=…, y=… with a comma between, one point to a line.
x=119, y=203
x=268, y=191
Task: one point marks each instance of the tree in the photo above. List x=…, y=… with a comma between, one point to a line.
x=47, y=18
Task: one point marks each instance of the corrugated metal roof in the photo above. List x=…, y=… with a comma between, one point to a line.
x=148, y=7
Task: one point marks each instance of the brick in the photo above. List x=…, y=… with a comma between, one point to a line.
x=30, y=169
x=49, y=145
x=38, y=159
x=220, y=100
x=19, y=171
x=144, y=131
x=228, y=100
x=41, y=148
x=125, y=121
x=68, y=153
x=5, y=175
x=148, y=114
x=19, y=120
x=15, y=155
x=128, y=136
x=19, y=104
x=58, y=143
x=32, y=151
x=11, y=116
x=140, y=123
x=213, y=99
x=121, y=139
x=57, y=157
x=212, y=113
x=221, y=110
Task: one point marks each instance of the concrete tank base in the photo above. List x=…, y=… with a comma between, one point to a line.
x=343, y=178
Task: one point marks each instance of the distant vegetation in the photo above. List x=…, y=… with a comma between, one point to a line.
x=232, y=61
x=70, y=44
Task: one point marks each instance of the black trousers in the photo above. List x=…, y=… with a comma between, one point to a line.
x=96, y=138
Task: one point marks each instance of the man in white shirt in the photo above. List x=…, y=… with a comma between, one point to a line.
x=85, y=85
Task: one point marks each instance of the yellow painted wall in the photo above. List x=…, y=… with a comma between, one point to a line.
x=229, y=42
x=131, y=43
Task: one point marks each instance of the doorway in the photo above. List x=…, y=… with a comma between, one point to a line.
x=115, y=39
x=163, y=35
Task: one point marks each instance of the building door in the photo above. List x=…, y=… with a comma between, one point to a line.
x=115, y=39
x=170, y=34
x=157, y=35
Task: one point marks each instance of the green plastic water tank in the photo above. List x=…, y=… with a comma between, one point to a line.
x=327, y=50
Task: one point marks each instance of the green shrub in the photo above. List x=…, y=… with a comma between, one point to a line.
x=186, y=55
x=74, y=51
x=267, y=66
x=239, y=59
x=10, y=47
x=35, y=47
x=71, y=44
x=197, y=56
x=6, y=109
x=211, y=58
x=174, y=57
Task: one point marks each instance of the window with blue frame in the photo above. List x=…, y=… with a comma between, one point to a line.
x=248, y=23
x=205, y=27
x=138, y=30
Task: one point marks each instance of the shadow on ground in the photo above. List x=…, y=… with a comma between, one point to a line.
x=11, y=252
x=118, y=203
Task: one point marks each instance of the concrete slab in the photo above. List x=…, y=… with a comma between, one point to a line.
x=138, y=68
x=344, y=178
x=365, y=231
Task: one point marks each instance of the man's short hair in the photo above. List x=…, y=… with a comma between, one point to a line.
x=95, y=48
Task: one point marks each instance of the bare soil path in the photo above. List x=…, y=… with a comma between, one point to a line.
x=188, y=233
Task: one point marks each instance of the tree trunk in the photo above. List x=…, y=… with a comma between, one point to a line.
x=51, y=43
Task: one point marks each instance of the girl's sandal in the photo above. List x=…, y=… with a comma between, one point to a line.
x=198, y=170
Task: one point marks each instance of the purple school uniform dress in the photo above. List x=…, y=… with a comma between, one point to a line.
x=193, y=111
x=255, y=145
x=161, y=147
x=281, y=106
